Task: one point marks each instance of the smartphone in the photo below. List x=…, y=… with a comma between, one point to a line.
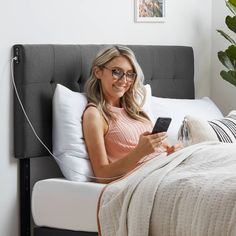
x=161, y=125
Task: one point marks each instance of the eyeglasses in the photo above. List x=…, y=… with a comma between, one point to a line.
x=118, y=74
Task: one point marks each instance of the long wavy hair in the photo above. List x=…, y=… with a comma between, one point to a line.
x=132, y=101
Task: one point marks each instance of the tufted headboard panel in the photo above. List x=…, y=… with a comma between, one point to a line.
x=38, y=68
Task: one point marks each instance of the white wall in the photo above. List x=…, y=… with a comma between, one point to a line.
x=222, y=92
x=82, y=22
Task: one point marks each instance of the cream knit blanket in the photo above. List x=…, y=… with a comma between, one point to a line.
x=191, y=192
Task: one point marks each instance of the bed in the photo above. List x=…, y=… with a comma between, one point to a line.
x=37, y=69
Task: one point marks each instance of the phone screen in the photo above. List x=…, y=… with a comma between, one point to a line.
x=161, y=125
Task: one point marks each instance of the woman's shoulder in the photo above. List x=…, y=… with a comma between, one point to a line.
x=93, y=119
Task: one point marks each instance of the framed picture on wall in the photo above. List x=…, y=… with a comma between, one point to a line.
x=150, y=10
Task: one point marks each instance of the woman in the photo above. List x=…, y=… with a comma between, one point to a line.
x=116, y=131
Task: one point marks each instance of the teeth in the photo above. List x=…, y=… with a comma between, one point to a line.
x=119, y=88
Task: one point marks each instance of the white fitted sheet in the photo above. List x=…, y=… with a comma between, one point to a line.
x=64, y=204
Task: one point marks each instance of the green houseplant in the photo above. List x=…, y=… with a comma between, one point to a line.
x=228, y=57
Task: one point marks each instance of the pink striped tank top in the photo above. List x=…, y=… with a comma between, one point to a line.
x=123, y=134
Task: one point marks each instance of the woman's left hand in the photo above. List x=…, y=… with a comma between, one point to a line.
x=173, y=148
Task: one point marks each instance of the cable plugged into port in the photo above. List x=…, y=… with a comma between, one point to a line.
x=16, y=55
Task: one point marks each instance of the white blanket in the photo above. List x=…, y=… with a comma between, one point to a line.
x=191, y=192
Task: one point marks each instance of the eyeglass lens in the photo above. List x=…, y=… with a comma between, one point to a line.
x=119, y=74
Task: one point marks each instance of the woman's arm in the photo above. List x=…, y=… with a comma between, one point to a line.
x=95, y=127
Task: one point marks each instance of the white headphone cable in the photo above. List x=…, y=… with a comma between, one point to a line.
x=35, y=133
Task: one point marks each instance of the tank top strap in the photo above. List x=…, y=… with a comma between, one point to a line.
x=90, y=104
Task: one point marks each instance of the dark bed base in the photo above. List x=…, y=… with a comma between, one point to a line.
x=25, y=208
x=43, y=231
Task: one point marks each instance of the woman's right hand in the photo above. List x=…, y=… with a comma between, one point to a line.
x=149, y=143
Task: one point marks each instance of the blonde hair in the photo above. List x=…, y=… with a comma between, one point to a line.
x=132, y=100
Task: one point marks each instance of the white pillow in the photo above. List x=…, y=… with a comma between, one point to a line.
x=147, y=103
x=68, y=142
x=177, y=109
x=194, y=130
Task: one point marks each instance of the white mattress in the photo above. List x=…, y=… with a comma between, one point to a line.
x=64, y=204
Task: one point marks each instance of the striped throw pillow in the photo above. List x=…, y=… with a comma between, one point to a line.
x=225, y=129
x=194, y=130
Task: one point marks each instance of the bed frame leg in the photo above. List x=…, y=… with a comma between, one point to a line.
x=25, y=209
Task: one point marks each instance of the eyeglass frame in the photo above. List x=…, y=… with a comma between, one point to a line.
x=126, y=74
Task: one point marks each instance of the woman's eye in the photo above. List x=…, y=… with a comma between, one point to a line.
x=131, y=75
x=117, y=72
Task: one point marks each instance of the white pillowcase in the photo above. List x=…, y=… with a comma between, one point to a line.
x=147, y=103
x=177, y=109
x=68, y=142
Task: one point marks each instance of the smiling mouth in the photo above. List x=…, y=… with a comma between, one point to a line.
x=119, y=88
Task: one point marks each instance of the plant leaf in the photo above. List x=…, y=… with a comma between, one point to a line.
x=231, y=23
x=223, y=57
x=231, y=53
x=231, y=5
x=229, y=76
x=233, y=2
x=226, y=36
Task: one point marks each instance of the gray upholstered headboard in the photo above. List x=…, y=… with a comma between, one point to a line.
x=38, y=68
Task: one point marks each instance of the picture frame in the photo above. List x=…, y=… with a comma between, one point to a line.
x=150, y=10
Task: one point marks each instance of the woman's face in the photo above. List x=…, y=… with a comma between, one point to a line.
x=113, y=89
